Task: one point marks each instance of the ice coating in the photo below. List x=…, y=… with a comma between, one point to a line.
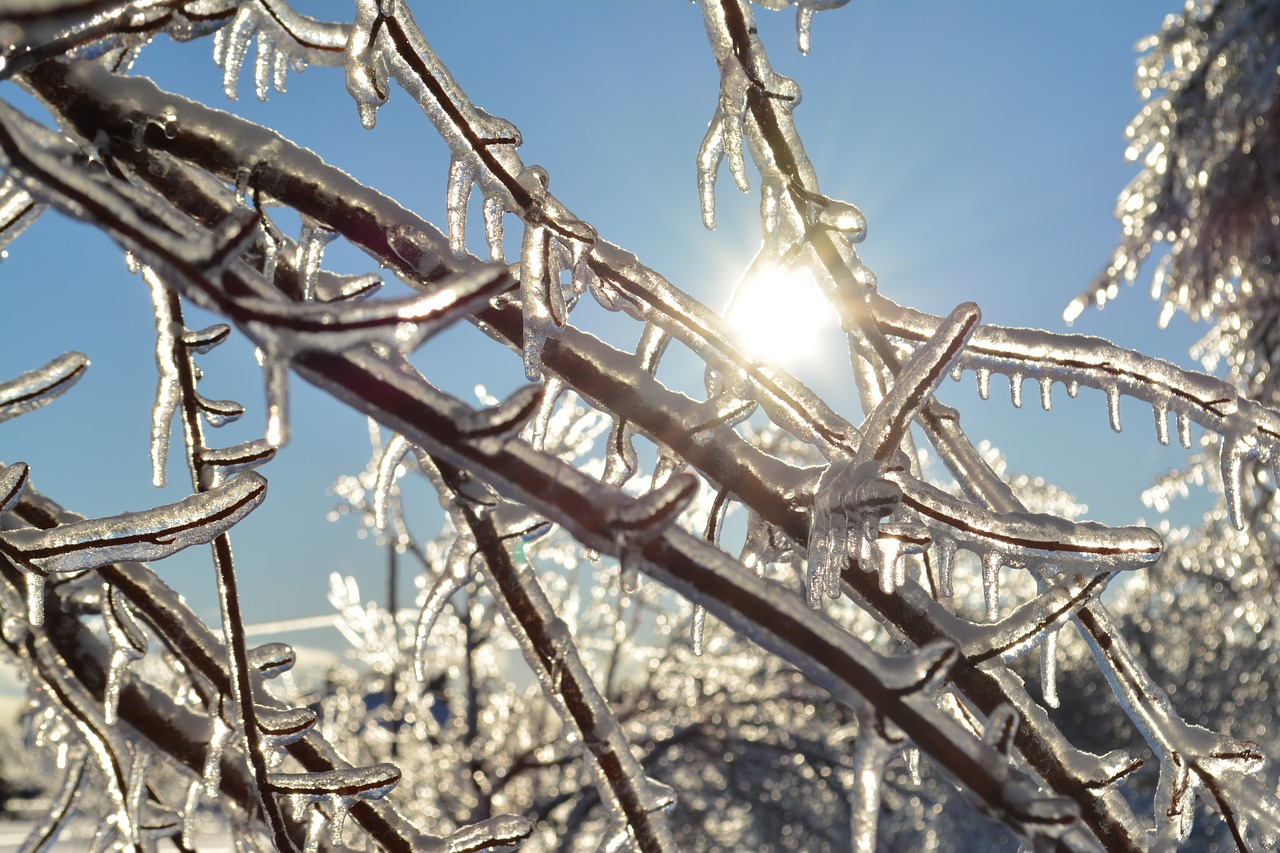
x=281, y=727
x=35, y=388
x=13, y=480
x=143, y=535
x=17, y=210
x=339, y=789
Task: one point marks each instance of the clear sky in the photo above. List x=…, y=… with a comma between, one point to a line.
x=983, y=142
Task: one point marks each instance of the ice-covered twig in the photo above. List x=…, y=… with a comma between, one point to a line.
x=37, y=387
x=531, y=617
x=1247, y=428
x=804, y=15
x=143, y=535
x=1192, y=758
x=684, y=562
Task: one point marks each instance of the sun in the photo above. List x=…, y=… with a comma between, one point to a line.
x=776, y=315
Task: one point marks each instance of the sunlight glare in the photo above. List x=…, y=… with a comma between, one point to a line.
x=777, y=315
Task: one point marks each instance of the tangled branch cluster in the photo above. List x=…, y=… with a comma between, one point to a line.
x=189, y=193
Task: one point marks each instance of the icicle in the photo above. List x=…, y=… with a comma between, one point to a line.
x=35, y=597
x=804, y=25
x=620, y=459
x=541, y=298
x=668, y=464
x=168, y=386
x=231, y=45
x=871, y=753
x=366, y=70
x=1015, y=389
x=1073, y=388
x=628, y=574
x=190, y=810
x=724, y=138
x=896, y=541
x=1234, y=450
x=128, y=644
x=1161, y=412
x=1046, y=394
x=315, y=827
x=946, y=560
x=1049, y=667
x=211, y=775
x=889, y=552
x=311, y=242
x=1113, y=406
x=699, y=628
x=1184, y=429
x=462, y=175
x=911, y=757
x=275, y=377
x=984, y=382
x=552, y=391
x=457, y=571
x=991, y=584
x=389, y=466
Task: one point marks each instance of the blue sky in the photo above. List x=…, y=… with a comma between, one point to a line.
x=983, y=142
